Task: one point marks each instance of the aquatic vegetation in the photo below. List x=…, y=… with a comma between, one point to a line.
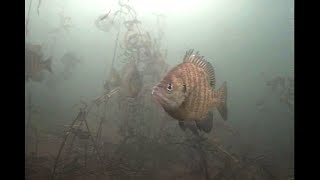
x=122, y=133
x=283, y=88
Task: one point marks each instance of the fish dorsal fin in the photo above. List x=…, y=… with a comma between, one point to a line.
x=198, y=60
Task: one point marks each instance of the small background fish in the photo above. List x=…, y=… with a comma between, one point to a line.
x=34, y=65
x=131, y=80
x=69, y=61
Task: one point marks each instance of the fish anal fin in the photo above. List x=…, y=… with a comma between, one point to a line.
x=189, y=125
x=206, y=123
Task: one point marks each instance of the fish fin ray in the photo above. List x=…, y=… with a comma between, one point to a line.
x=222, y=105
x=199, y=61
x=206, y=124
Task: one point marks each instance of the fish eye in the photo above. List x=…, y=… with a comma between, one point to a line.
x=169, y=87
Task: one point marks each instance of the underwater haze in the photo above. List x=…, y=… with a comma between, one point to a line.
x=94, y=117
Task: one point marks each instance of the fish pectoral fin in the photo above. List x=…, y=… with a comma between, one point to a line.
x=206, y=123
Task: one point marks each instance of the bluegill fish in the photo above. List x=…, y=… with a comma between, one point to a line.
x=34, y=65
x=187, y=93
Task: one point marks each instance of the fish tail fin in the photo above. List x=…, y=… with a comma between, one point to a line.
x=47, y=64
x=222, y=105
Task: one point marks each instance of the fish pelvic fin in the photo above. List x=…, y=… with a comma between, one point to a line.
x=206, y=123
x=222, y=101
x=190, y=126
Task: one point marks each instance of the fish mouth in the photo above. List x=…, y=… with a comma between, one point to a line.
x=158, y=95
x=155, y=92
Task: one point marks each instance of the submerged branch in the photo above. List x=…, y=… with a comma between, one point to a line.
x=39, y=3
x=28, y=18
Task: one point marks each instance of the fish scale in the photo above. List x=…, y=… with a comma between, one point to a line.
x=198, y=103
x=195, y=104
x=192, y=82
